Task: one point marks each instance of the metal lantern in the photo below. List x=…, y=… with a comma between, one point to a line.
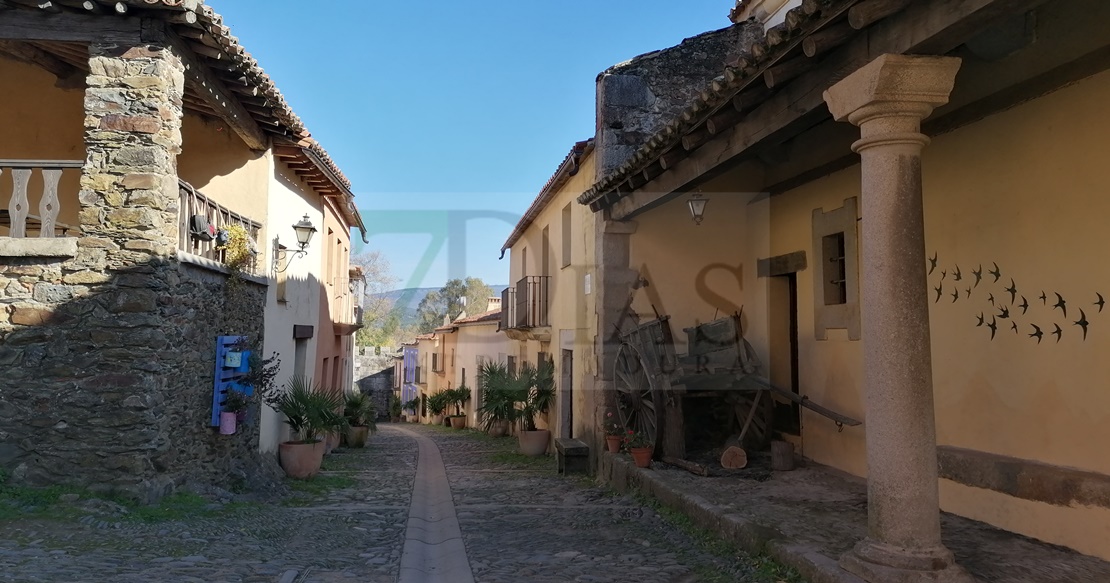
x=304, y=230
x=697, y=207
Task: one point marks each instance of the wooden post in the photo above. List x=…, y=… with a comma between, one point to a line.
x=782, y=456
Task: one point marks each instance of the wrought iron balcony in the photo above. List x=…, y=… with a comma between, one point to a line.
x=525, y=305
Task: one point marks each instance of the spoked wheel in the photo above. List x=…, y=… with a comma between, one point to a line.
x=639, y=406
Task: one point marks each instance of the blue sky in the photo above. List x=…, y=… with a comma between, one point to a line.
x=448, y=117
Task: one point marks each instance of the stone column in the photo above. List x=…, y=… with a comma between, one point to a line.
x=887, y=99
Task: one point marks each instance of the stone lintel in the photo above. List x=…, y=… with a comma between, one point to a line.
x=38, y=247
x=620, y=227
x=919, y=82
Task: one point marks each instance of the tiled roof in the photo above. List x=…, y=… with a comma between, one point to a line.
x=490, y=316
x=718, y=95
x=567, y=168
x=426, y=337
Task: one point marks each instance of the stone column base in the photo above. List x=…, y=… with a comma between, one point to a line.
x=880, y=563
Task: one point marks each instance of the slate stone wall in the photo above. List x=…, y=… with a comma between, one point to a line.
x=374, y=377
x=107, y=356
x=637, y=98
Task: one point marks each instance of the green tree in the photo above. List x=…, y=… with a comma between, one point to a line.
x=449, y=301
x=381, y=317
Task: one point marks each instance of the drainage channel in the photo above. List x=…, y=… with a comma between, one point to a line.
x=434, y=550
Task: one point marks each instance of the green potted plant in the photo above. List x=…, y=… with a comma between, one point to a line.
x=414, y=406
x=459, y=397
x=640, y=447
x=394, y=408
x=233, y=410
x=498, y=409
x=328, y=406
x=437, y=406
x=535, y=392
x=300, y=457
x=359, y=412
x=614, y=432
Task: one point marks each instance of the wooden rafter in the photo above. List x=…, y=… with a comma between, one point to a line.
x=69, y=76
x=44, y=25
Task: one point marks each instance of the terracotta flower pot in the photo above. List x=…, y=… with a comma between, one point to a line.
x=613, y=442
x=458, y=422
x=437, y=420
x=534, y=443
x=301, y=460
x=227, y=423
x=641, y=456
x=331, y=441
x=357, y=434
x=499, y=428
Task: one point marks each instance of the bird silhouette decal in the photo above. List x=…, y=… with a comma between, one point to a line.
x=968, y=290
x=939, y=289
x=1024, y=305
x=993, y=326
x=1060, y=303
x=980, y=318
x=990, y=298
x=1044, y=298
x=943, y=274
x=1013, y=326
x=1036, y=333
x=997, y=273
x=956, y=275
x=1013, y=291
x=978, y=273
x=1082, y=322
x=955, y=295
x=1004, y=312
x=1101, y=302
x=933, y=263
x=1058, y=332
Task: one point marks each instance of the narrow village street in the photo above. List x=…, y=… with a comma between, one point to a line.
x=519, y=520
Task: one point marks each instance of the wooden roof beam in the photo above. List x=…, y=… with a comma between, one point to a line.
x=216, y=94
x=40, y=25
x=69, y=77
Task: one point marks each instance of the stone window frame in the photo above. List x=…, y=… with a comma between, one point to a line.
x=845, y=221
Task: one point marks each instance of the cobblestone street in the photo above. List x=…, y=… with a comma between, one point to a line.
x=520, y=521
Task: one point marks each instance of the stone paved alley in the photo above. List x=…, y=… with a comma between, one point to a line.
x=519, y=521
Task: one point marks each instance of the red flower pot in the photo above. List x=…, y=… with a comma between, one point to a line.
x=641, y=456
x=613, y=442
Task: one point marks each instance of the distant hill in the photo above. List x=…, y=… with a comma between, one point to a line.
x=416, y=295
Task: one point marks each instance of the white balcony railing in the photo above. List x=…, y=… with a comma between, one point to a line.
x=17, y=218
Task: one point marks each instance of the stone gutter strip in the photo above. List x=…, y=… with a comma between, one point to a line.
x=754, y=538
x=434, y=551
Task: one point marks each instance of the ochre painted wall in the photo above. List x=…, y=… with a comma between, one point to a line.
x=41, y=122
x=1023, y=189
x=571, y=312
x=334, y=240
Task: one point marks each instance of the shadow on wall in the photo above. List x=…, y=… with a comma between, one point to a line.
x=108, y=375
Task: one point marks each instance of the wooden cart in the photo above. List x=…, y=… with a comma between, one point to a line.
x=652, y=382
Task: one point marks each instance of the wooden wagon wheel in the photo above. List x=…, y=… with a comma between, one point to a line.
x=640, y=406
x=759, y=407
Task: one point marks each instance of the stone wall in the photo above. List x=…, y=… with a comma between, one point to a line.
x=639, y=97
x=108, y=348
x=374, y=376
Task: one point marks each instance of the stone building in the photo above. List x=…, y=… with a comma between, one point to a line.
x=137, y=134
x=941, y=292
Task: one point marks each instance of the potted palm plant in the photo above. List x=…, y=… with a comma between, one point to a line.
x=414, y=406
x=535, y=392
x=459, y=397
x=498, y=409
x=328, y=405
x=394, y=409
x=300, y=457
x=437, y=406
x=359, y=412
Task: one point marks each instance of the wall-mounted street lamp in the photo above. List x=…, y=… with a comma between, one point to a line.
x=697, y=207
x=304, y=231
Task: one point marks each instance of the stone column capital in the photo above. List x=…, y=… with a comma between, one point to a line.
x=893, y=85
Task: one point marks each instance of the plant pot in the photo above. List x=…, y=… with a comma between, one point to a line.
x=499, y=428
x=613, y=443
x=357, y=434
x=437, y=419
x=447, y=422
x=458, y=422
x=641, y=456
x=301, y=460
x=534, y=443
x=227, y=423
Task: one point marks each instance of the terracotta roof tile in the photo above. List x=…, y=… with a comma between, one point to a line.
x=490, y=316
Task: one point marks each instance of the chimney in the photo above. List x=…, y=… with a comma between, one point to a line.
x=493, y=303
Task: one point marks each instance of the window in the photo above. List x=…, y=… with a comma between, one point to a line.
x=545, y=252
x=566, y=234
x=511, y=364
x=283, y=264
x=836, y=284
x=463, y=383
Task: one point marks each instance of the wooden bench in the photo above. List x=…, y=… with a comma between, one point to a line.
x=573, y=456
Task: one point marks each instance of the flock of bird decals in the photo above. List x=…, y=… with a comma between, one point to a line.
x=1001, y=310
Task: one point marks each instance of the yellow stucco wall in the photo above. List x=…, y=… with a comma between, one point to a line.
x=334, y=256
x=1023, y=189
x=41, y=122
x=571, y=314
